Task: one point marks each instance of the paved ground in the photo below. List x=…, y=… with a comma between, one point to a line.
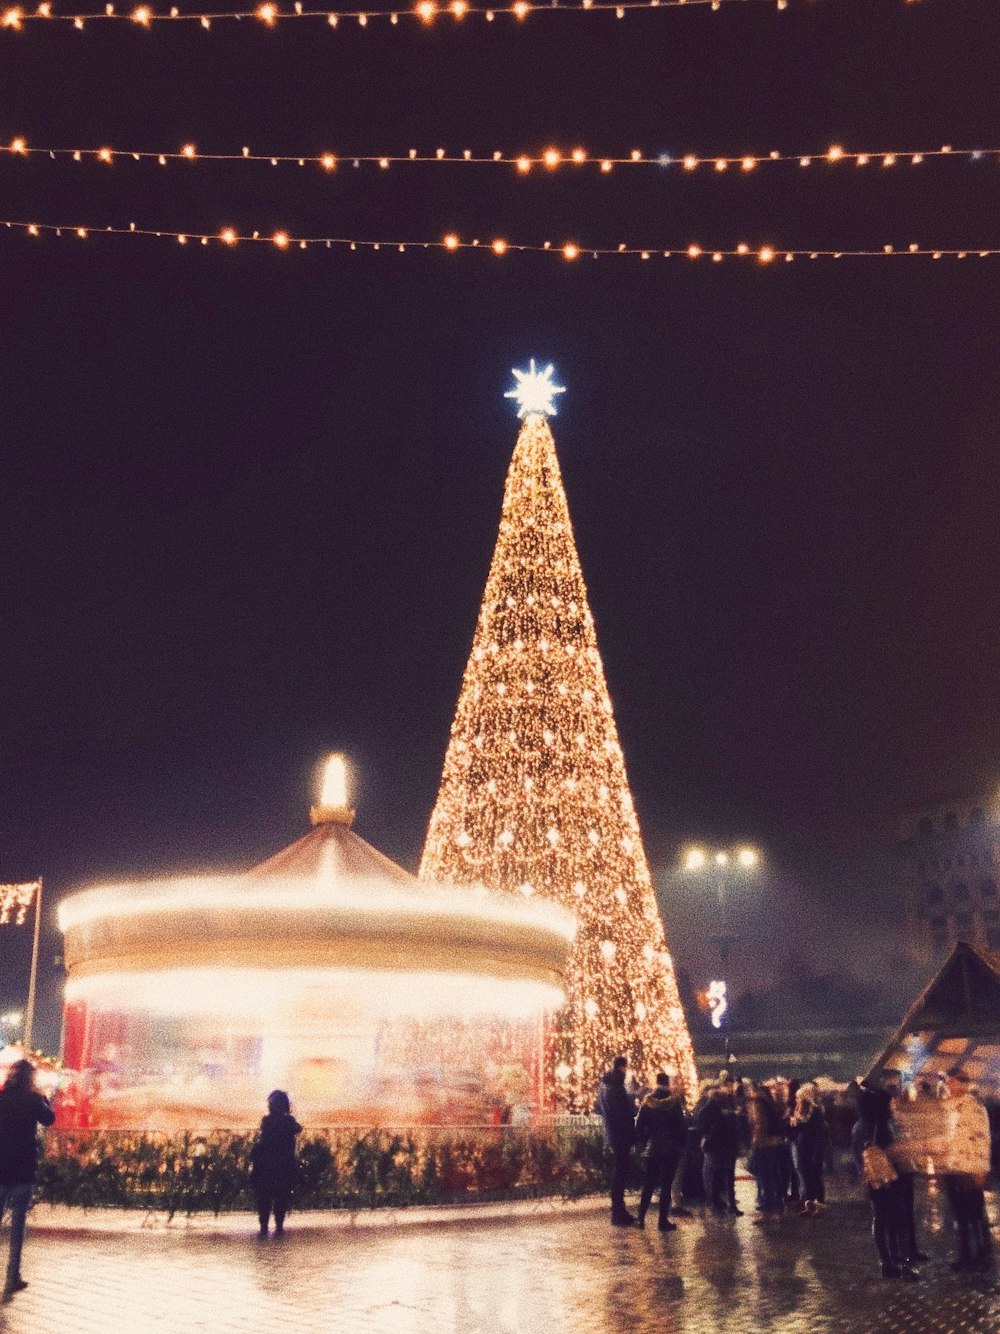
x=536, y=1273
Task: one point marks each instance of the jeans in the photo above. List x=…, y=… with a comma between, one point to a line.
x=809, y=1170
x=660, y=1171
x=889, y=1223
x=268, y=1200
x=714, y=1177
x=619, y=1180
x=767, y=1168
x=17, y=1199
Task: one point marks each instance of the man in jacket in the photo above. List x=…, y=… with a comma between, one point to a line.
x=22, y=1111
x=714, y=1138
x=661, y=1132
x=617, y=1110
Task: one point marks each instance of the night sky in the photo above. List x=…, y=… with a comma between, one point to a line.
x=249, y=498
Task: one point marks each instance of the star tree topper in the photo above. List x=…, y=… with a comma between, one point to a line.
x=535, y=391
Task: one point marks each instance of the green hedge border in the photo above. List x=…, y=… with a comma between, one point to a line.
x=339, y=1168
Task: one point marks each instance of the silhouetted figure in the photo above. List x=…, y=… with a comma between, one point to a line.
x=272, y=1163
x=617, y=1110
x=767, y=1147
x=807, y=1130
x=22, y=1110
x=661, y=1132
x=873, y=1131
x=714, y=1141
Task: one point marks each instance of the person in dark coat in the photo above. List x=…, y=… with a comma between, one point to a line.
x=807, y=1132
x=272, y=1163
x=714, y=1135
x=889, y=1225
x=661, y=1133
x=22, y=1110
x=617, y=1110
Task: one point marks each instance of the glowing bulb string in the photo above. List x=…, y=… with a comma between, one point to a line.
x=550, y=159
x=426, y=11
x=229, y=237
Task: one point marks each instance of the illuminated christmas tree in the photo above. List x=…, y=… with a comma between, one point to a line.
x=534, y=798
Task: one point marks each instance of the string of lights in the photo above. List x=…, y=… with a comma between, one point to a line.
x=15, y=17
x=281, y=240
x=550, y=159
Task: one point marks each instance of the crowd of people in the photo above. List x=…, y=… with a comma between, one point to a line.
x=790, y=1135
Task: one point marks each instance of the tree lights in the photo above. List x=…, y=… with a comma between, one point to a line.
x=534, y=797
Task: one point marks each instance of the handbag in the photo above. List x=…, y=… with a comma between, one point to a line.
x=878, y=1170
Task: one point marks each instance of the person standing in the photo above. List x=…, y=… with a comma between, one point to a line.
x=807, y=1130
x=871, y=1137
x=714, y=1140
x=22, y=1110
x=617, y=1110
x=969, y=1160
x=273, y=1163
x=767, y=1144
x=661, y=1132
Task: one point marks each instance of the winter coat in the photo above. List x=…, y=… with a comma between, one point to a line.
x=766, y=1124
x=661, y=1124
x=718, y=1126
x=21, y=1113
x=617, y=1110
x=272, y=1159
x=808, y=1134
x=968, y=1137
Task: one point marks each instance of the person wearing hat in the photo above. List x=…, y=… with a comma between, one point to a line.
x=969, y=1162
x=22, y=1110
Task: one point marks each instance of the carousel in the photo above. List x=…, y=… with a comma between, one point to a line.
x=329, y=971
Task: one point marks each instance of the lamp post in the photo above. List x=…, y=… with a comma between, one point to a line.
x=723, y=868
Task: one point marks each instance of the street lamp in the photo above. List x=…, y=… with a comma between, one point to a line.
x=723, y=867
x=11, y=1022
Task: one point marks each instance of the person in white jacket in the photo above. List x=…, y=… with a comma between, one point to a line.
x=968, y=1161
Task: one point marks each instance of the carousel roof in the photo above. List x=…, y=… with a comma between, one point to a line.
x=329, y=901
x=330, y=851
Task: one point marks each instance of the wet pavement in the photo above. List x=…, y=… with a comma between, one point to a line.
x=554, y=1271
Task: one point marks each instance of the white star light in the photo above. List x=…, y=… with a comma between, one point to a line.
x=535, y=391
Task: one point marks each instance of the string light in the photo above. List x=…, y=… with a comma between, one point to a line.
x=499, y=246
x=553, y=724
x=15, y=900
x=425, y=12
x=551, y=158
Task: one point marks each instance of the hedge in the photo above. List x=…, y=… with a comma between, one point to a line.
x=339, y=1168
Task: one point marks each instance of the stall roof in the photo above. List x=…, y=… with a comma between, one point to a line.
x=954, y=1022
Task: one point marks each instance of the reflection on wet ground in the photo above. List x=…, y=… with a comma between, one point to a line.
x=557, y=1275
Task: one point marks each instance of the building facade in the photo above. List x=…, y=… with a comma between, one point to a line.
x=950, y=859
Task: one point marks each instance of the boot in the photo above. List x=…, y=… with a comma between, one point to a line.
x=982, y=1247
x=963, y=1260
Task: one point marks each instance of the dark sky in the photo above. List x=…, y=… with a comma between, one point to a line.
x=249, y=499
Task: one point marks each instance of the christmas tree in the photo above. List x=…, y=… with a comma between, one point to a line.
x=534, y=797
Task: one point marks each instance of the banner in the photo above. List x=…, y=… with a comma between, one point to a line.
x=15, y=900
